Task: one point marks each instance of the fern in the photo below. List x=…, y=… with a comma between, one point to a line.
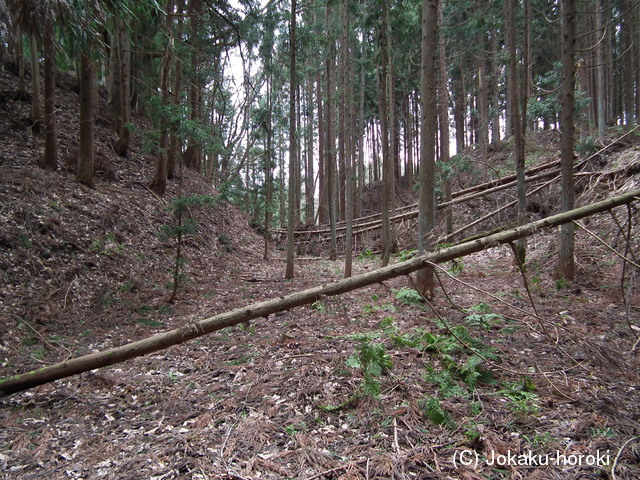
x=434, y=412
x=374, y=361
x=408, y=296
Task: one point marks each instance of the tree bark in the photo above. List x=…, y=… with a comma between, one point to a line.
x=347, y=132
x=174, y=149
x=84, y=171
x=566, y=265
x=516, y=123
x=50, y=158
x=124, y=70
x=159, y=182
x=309, y=185
x=445, y=155
x=330, y=161
x=459, y=107
x=323, y=207
x=385, y=136
x=291, y=220
x=268, y=173
x=263, y=309
x=36, y=95
x=600, y=68
x=428, y=125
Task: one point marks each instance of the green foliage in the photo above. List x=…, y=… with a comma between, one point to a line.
x=522, y=403
x=126, y=287
x=225, y=242
x=319, y=306
x=184, y=225
x=539, y=441
x=586, y=145
x=455, y=372
x=455, y=267
x=405, y=255
x=458, y=164
x=374, y=361
x=107, y=245
x=385, y=306
x=546, y=106
x=24, y=241
x=29, y=341
x=434, y=412
x=388, y=325
x=39, y=353
x=149, y=322
x=561, y=284
x=366, y=255
x=408, y=296
x=482, y=317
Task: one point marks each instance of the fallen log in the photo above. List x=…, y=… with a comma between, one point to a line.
x=177, y=336
x=482, y=188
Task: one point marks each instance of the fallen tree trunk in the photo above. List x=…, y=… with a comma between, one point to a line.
x=375, y=225
x=482, y=188
x=264, y=309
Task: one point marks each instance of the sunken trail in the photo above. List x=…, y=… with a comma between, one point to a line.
x=161, y=341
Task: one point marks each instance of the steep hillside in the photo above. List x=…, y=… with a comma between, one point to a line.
x=80, y=261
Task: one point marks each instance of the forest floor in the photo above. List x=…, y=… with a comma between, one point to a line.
x=486, y=383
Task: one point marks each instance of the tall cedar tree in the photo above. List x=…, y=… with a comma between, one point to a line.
x=427, y=197
x=566, y=266
x=293, y=155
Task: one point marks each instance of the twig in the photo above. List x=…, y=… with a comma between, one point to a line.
x=396, y=446
x=617, y=459
x=533, y=304
x=500, y=300
x=606, y=245
x=49, y=344
x=480, y=355
x=327, y=472
x=534, y=315
x=64, y=305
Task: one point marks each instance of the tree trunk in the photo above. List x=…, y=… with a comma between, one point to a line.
x=159, y=183
x=124, y=68
x=428, y=125
x=330, y=160
x=194, y=159
x=268, y=172
x=36, y=95
x=385, y=136
x=50, y=159
x=459, y=107
x=628, y=75
x=494, y=88
x=84, y=172
x=445, y=155
x=600, y=69
x=483, y=102
x=348, y=147
x=174, y=142
x=323, y=207
x=263, y=309
x=21, y=91
x=516, y=122
x=291, y=223
x=309, y=187
x=566, y=266
x=283, y=208
x=361, y=143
